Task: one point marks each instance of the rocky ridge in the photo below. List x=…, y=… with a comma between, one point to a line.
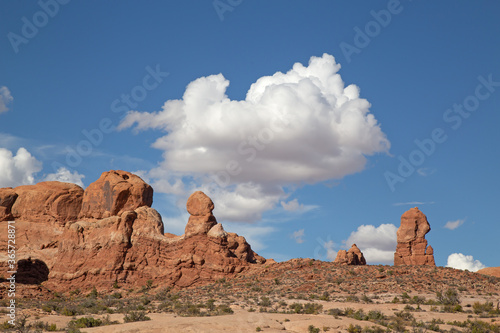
x=66, y=236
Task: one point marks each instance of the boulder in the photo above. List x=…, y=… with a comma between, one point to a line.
x=113, y=193
x=47, y=202
x=412, y=246
x=353, y=256
x=200, y=207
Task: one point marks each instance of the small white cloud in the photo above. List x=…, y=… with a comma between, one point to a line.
x=452, y=225
x=298, y=236
x=424, y=172
x=292, y=205
x=295, y=206
x=461, y=261
x=413, y=203
x=64, y=175
x=5, y=99
x=378, y=244
x=18, y=169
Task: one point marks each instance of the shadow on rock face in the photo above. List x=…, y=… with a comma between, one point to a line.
x=31, y=271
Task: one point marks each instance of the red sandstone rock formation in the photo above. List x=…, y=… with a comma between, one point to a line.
x=200, y=207
x=7, y=198
x=114, y=193
x=491, y=271
x=353, y=256
x=412, y=246
x=43, y=202
x=110, y=233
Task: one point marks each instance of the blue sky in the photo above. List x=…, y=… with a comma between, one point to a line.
x=391, y=105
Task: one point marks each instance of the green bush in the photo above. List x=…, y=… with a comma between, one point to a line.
x=450, y=297
x=86, y=322
x=135, y=316
x=312, y=329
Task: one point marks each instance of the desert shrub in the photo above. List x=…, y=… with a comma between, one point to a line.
x=312, y=329
x=93, y=294
x=478, y=326
x=69, y=310
x=405, y=315
x=418, y=300
x=352, y=298
x=85, y=322
x=482, y=307
x=335, y=312
x=135, y=316
x=366, y=299
x=450, y=297
x=397, y=325
x=376, y=315
x=433, y=325
x=313, y=308
x=296, y=307
x=187, y=310
x=223, y=309
x=43, y=326
x=265, y=301
x=354, y=328
x=452, y=308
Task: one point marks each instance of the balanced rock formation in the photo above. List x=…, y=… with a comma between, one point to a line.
x=353, y=256
x=200, y=207
x=68, y=238
x=412, y=246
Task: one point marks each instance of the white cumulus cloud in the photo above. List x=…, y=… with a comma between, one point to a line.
x=18, y=169
x=464, y=262
x=64, y=175
x=378, y=244
x=300, y=127
x=452, y=225
x=5, y=99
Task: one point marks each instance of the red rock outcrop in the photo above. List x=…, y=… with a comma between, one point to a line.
x=43, y=202
x=491, y=271
x=114, y=193
x=119, y=239
x=200, y=207
x=353, y=256
x=412, y=246
x=7, y=198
